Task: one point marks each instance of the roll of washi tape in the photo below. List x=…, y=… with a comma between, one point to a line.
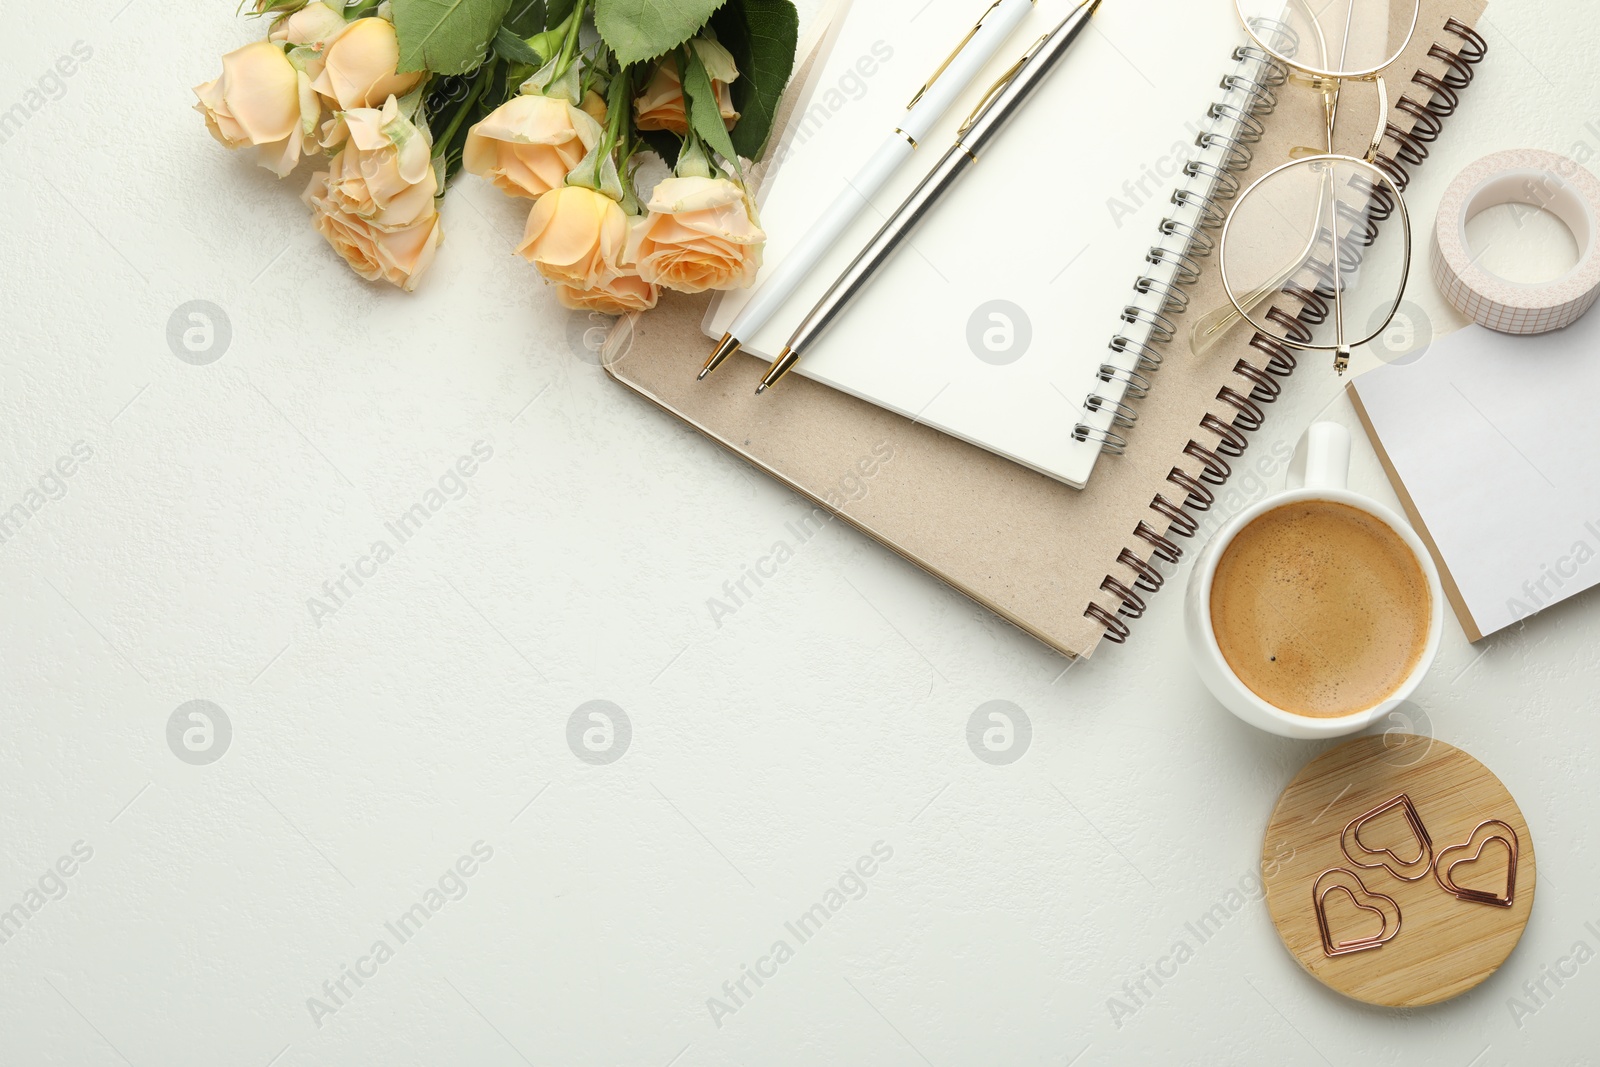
x=1561, y=186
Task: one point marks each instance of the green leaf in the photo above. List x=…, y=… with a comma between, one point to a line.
x=525, y=17
x=557, y=12
x=446, y=36
x=762, y=35
x=509, y=46
x=456, y=103
x=637, y=30
x=663, y=144
x=704, y=115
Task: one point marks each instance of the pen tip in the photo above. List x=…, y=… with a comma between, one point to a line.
x=725, y=348
x=761, y=388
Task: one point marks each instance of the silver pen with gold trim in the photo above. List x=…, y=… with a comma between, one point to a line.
x=996, y=109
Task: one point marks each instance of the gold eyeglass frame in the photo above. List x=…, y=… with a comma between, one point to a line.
x=1212, y=327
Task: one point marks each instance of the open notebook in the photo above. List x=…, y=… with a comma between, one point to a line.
x=992, y=326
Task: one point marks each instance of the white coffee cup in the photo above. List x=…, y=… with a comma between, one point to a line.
x=1322, y=466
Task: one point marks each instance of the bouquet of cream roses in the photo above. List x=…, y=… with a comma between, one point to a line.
x=557, y=101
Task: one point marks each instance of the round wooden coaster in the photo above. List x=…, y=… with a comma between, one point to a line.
x=1382, y=798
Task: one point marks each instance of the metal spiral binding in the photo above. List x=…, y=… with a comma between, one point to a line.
x=1122, y=414
x=1197, y=496
x=1212, y=180
x=1145, y=576
x=1185, y=239
x=1173, y=297
x=1113, y=444
x=1134, y=384
x=1178, y=520
x=1200, y=242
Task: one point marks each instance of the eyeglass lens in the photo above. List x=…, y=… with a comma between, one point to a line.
x=1336, y=38
x=1310, y=257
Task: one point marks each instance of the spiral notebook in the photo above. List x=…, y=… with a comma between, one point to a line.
x=1067, y=566
x=992, y=325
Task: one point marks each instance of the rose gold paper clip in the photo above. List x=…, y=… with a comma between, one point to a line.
x=1443, y=872
x=1420, y=866
x=1364, y=899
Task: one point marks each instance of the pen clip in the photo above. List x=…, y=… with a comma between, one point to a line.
x=994, y=90
x=976, y=26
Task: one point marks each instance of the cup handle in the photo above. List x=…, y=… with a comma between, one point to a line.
x=1322, y=459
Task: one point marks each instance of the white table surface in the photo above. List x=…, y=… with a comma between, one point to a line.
x=429, y=712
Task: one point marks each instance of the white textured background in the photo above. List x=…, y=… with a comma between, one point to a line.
x=430, y=712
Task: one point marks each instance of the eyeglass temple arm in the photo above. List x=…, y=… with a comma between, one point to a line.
x=1371, y=154
x=1341, y=355
x=1341, y=352
x=1214, y=325
x=1330, y=109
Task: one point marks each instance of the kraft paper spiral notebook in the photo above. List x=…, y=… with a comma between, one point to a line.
x=1067, y=566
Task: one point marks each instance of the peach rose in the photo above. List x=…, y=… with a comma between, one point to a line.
x=576, y=236
x=313, y=26
x=699, y=235
x=594, y=105
x=261, y=100
x=398, y=255
x=619, y=296
x=661, y=106
x=358, y=67
x=382, y=168
x=528, y=144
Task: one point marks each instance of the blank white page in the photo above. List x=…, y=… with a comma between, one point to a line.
x=1054, y=220
x=1495, y=440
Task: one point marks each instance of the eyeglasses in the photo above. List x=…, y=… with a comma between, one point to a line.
x=1310, y=230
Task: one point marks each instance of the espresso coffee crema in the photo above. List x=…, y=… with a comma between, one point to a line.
x=1320, y=608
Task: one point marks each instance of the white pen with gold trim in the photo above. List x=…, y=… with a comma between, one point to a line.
x=924, y=111
x=1007, y=97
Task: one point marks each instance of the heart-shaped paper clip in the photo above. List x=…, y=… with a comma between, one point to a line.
x=1361, y=897
x=1406, y=870
x=1444, y=869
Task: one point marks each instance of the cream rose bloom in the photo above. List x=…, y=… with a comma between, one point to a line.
x=699, y=235
x=594, y=105
x=528, y=144
x=358, y=67
x=661, y=106
x=398, y=256
x=375, y=202
x=576, y=236
x=261, y=100
x=313, y=26
x=619, y=296
x=382, y=168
